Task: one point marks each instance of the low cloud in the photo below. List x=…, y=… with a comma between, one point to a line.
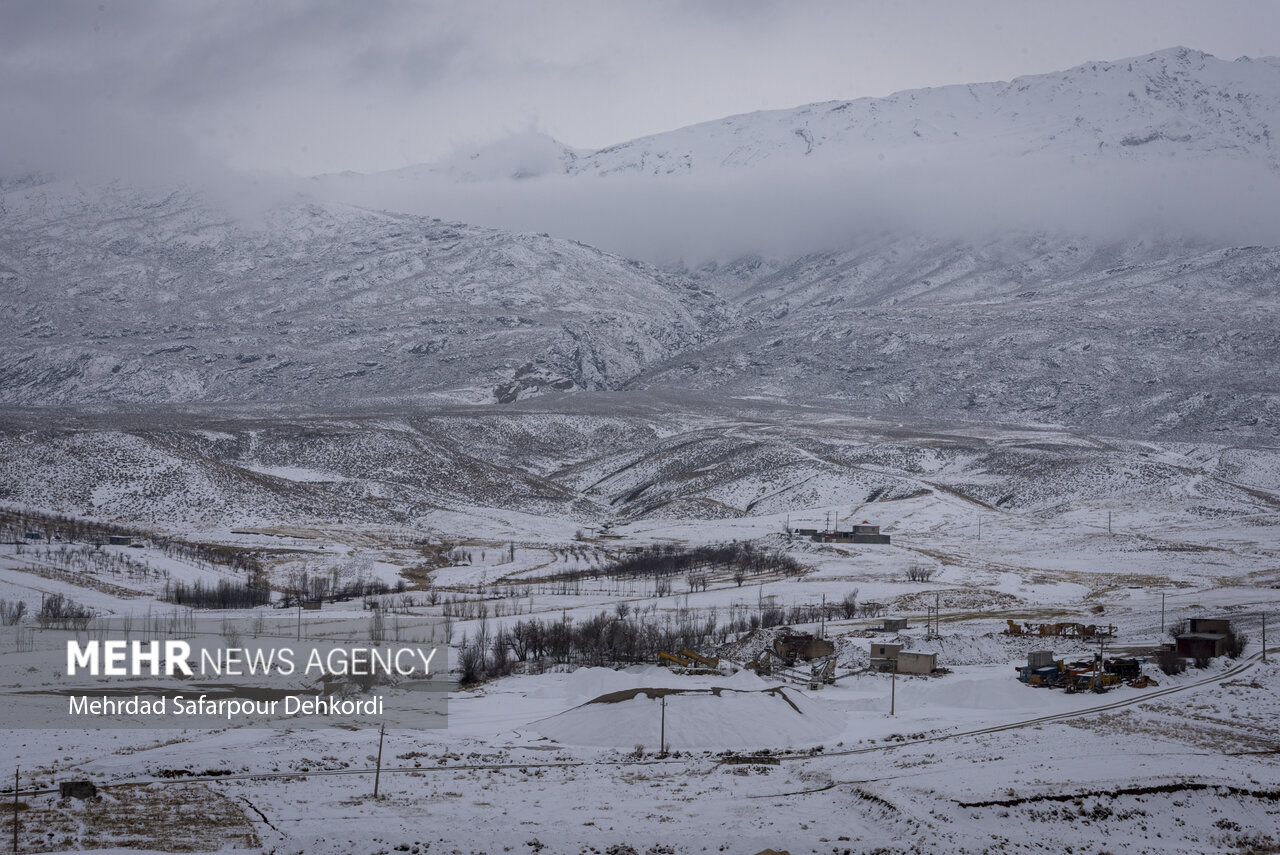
x=788, y=211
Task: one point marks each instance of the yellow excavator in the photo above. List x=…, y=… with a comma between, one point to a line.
x=708, y=661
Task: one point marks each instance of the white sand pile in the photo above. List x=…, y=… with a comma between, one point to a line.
x=717, y=718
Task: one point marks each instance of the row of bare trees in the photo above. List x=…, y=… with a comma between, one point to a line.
x=619, y=638
x=226, y=594
x=738, y=560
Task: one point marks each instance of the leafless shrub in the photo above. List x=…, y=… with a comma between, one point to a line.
x=1235, y=644
x=231, y=633
x=1170, y=662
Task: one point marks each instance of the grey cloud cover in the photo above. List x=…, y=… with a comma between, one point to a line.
x=307, y=87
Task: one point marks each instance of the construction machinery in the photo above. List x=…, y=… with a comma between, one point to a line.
x=1097, y=674
x=708, y=661
x=825, y=672
x=672, y=659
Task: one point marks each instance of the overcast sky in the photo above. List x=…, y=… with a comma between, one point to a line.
x=309, y=87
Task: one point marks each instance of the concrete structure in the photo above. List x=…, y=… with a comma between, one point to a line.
x=1208, y=625
x=916, y=663
x=891, y=657
x=1202, y=645
x=894, y=624
x=120, y=540
x=884, y=657
x=793, y=647
x=864, y=532
x=1205, y=638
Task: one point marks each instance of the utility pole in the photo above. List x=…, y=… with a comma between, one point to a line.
x=893, y=688
x=377, y=773
x=1102, y=660
x=662, y=732
x=979, y=527
x=822, y=631
x=1108, y=522
x=1162, y=612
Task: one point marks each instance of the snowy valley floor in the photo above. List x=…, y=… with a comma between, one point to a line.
x=568, y=761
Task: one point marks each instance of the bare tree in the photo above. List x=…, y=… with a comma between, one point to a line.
x=12, y=612
x=920, y=573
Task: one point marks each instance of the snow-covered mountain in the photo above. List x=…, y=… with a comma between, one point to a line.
x=118, y=296
x=1173, y=102
x=1138, y=338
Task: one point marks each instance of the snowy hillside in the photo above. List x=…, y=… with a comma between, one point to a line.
x=1137, y=338
x=1172, y=102
x=571, y=462
x=121, y=296
x=118, y=296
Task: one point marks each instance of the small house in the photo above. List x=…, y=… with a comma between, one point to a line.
x=1201, y=645
x=864, y=532
x=120, y=540
x=917, y=663
x=1205, y=638
x=884, y=657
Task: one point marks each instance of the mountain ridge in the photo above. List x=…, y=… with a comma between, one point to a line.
x=128, y=297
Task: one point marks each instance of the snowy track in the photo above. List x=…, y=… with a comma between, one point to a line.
x=796, y=759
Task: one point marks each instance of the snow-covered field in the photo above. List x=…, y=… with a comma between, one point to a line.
x=570, y=760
